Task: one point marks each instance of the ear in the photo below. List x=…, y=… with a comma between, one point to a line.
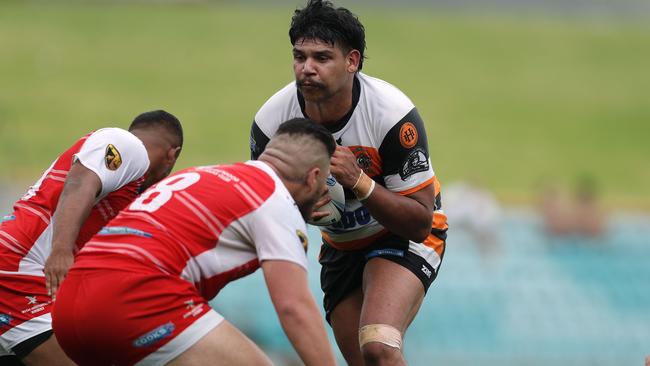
x=312, y=178
x=352, y=60
x=173, y=153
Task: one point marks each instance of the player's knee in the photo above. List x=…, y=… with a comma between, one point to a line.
x=380, y=344
x=380, y=354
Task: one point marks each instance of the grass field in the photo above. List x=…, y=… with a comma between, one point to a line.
x=508, y=100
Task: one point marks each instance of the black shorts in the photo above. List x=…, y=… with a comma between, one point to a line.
x=342, y=271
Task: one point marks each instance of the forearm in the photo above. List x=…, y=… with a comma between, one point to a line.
x=401, y=215
x=308, y=337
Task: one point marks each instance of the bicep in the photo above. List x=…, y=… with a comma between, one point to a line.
x=80, y=178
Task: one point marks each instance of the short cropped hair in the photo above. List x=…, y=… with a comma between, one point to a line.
x=159, y=118
x=304, y=126
x=320, y=20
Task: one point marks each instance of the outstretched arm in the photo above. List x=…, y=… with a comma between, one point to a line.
x=79, y=192
x=298, y=312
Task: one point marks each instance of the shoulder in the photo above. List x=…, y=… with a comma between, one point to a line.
x=384, y=96
x=280, y=107
x=382, y=104
x=118, y=138
x=119, y=147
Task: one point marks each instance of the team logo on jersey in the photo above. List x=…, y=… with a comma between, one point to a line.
x=303, y=239
x=408, y=135
x=4, y=320
x=368, y=159
x=415, y=162
x=155, y=335
x=113, y=159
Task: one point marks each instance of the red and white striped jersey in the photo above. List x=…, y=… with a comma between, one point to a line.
x=207, y=225
x=118, y=158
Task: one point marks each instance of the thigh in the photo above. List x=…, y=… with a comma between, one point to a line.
x=392, y=294
x=341, y=275
x=345, y=324
x=48, y=353
x=226, y=344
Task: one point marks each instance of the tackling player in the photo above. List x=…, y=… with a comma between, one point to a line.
x=138, y=292
x=82, y=190
x=380, y=259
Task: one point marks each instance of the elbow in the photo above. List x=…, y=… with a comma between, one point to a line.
x=290, y=313
x=422, y=230
x=421, y=235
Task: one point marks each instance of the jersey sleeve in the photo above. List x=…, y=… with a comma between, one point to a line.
x=116, y=156
x=405, y=155
x=278, y=232
x=258, y=141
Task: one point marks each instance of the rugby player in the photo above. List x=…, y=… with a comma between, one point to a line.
x=80, y=192
x=138, y=291
x=380, y=259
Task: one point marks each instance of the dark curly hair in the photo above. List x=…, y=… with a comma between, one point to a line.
x=320, y=20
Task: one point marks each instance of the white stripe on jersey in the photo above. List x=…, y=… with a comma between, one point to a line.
x=45, y=217
x=203, y=209
x=128, y=249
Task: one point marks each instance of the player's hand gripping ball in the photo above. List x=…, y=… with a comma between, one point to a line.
x=334, y=208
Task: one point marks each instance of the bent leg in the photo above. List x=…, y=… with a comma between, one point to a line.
x=392, y=295
x=345, y=324
x=47, y=353
x=223, y=345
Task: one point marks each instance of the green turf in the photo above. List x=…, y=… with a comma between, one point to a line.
x=508, y=100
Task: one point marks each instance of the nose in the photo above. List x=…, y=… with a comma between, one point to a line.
x=308, y=66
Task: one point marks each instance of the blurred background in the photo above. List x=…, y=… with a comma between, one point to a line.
x=538, y=116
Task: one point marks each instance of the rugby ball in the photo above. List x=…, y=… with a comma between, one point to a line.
x=335, y=207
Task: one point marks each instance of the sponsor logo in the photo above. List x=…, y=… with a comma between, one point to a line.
x=408, y=135
x=194, y=310
x=415, y=162
x=349, y=219
x=112, y=158
x=123, y=230
x=7, y=218
x=155, y=335
x=303, y=239
x=426, y=271
x=4, y=320
x=383, y=252
x=34, y=305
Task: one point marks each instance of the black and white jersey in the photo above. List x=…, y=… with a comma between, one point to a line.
x=384, y=131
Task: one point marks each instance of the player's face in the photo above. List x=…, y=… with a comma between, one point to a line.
x=321, y=69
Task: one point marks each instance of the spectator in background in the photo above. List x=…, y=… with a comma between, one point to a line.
x=475, y=210
x=577, y=214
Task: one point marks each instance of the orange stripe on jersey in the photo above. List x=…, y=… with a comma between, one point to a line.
x=368, y=159
x=435, y=243
x=439, y=221
x=353, y=244
x=439, y=225
x=420, y=186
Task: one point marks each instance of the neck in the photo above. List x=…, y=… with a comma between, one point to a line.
x=282, y=167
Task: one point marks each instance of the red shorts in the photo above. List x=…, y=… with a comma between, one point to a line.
x=123, y=317
x=24, y=309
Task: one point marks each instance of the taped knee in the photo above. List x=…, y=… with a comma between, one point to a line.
x=381, y=333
